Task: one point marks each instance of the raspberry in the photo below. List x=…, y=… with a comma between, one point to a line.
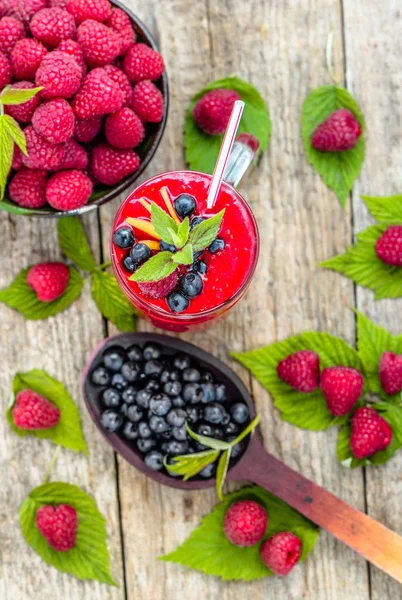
x=41, y=153
x=370, y=433
x=54, y=120
x=52, y=25
x=11, y=30
x=120, y=22
x=33, y=411
x=23, y=112
x=212, y=111
x=119, y=77
x=59, y=3
x=59, y=75
x=161, y=288
x=5, y=70
x=27, y=189
x=281, y=552
x=300, y=370
x=389, y=246
x=48, y=280
x=390, y=370
x=21, y=9
x=26, y=56
x=68, y=190
x=73, y=48
x=342, y=387
x=111, y=165
x=17, y=159
x=340, y=131
x=142, y=62
x=98, y=10
x=245, y=523
x=123, y=129
x=86, y=129
x=147, y=102
x=74, y=156
x=98, y=95
x=58, y=525
x=100, y=44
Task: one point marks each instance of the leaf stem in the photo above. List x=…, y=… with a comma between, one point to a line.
x=105, y=265
x=329, y=49
x=51, y=465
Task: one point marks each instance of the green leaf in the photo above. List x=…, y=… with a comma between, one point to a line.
x=221, y=472
x=6, y=154
x=74, y=244
x=208, y=441
x=89, y=559
x=164, y=225
x=111, y=301
x=185, y=256
x=386, y=209
x=189, y=465
x=308, y=411
x=248, y=430
x=22, y=298
x=15, y=132
x=155, y=268
x=208, y=550
x=201, y=149
x=12, y=95
x=338, y=169
x=205, y=232
x=183, y=232
x=361, y=264
x=67, y=432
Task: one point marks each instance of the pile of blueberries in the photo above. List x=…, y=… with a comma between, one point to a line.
x=147, y=397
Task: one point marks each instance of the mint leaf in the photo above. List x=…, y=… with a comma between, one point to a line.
x=386, y=209
x=182, y=232
x=89, y=559
x=164, y=225
x=22, y=298
x=205, y=232
x=308, y=411
x=15, y=132
x=185, y=256
x=74, y=244
x=6, y=154
x=201, y=149
x=361, y=264
x=111, y=301
x=12, y=95
x=157, y=267
x=338, y=169
x=67, y=432
x=221, y=472
x=208, y=550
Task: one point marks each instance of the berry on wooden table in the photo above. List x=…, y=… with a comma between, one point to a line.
x=370, y=432
x=389, y=246
x=390, y=370
x=340, y=131
x=48, y=280
x=32, y=411
x=212, y=111
x=245, y=523
x=281, y=552
x=342, y=387
x=58, y=525
x=300, y=370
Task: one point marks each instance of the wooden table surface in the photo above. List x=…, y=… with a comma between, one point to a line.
x=279, y=46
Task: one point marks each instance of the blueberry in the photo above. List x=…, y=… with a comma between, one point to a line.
x=123, y=409
x=179, y=433
x=208, y=393
x=175, y=447
x=153, y=386
x=131, y=371
x=200, y=267
x=217, y=245
x=200, y=447
x=145, y=445
x=129, y=264
x=192, y=393
x=178, y=402
x=140, y=253
x=204, y=429
x=226, y=419
x=152, y=351
x=197, y=255
x=237, y=449
x=158, y=424
x=129, y=394
x=153, y=368
x=176, y=417
x=208, y=472
x=130, y=430
x=111, y=398
x=191, y=285
x=185, y=205
x=221, y=392
x=191, y=375
x=166, y=435
x=134, y=353
x=196, y=221
x=230, y=428
x=172, y=388
x=160, y=404
x=100, y=376
x=165, y=247
x=119, y=381
x=169, y=375
x=214, y=413
x=182, y=361
x=111, y=420
x=193, y=414
x=177, y=302
x=217, y=433
x=143, y=397
x=154, y=460
x=239, y=412
x=135, y=413
x=113, y=358
x=123, y=237
x=144, y=430
x=207, y=377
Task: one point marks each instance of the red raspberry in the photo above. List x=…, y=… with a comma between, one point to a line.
x=212, y=111
x=59, y=3
x=342, y=387
x=340, y=131
x=245, y=523
x=119, y=77
x=27, y=189
x=41, y=153
x=58, y=525
x=159, y=289
x=5, y=70
x=11, y=30
x=68, y=190
x=389, y=246
x=100, y=44
x=110, y=165
x=391, y=372
x=17, y=159
x=73, y=48
x=23, y=112
x=300, y=370
x=370, y=433
x=26, y=56
x=281, y=552
x=74, y=156
x=48, y=280
x=21, y=9
x=33, y=411
x=98, y=10
x=86, y=129
x=147, y=102
x=123, y=129
x=59, y=75
x=54, y=120
x=98, y=95
x=121, y=22
x=52, y=25
x=142, y=62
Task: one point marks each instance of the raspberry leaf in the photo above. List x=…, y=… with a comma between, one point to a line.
x=67, y=432
x=22, y=298
x=15, y=132
x=155, y=268
x=338, y=169
x=205, y=232
x=184, y=256
x=208, y=550
x=201, y=149
x=89, y=559
x=12, y=95
x=111, y=301
x=386, y=209
x=6, y=154
x=74, y=243
x=308, y=411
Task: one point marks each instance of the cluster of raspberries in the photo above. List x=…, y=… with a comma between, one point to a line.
x=98, y=95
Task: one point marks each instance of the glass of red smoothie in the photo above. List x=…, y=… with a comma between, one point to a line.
x=218, y=276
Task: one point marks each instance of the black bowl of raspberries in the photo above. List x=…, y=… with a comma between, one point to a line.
x=141, y=390
x=96, y=124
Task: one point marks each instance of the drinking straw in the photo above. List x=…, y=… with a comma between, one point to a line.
x=226, y=147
